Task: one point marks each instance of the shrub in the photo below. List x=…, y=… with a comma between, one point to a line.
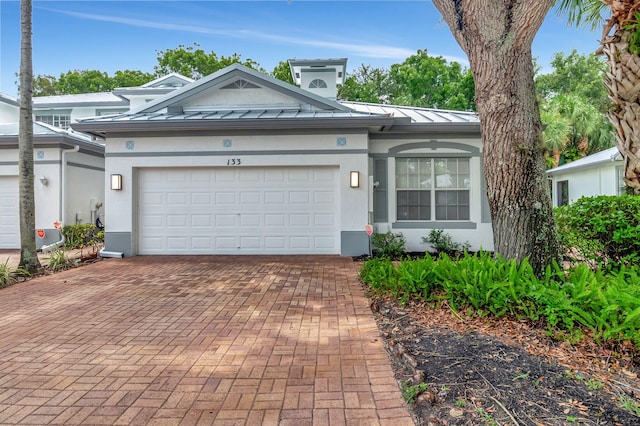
x=81, y=235
x=6, y=277
x=604, y=230
x=389, y=245
x=442, y=242
x=58, y=260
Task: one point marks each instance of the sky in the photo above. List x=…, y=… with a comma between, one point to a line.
x=119, y=34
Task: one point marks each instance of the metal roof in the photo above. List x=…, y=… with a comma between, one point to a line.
x=97, y=99
x=603, y=157
x=43, y=129
x=415, y=114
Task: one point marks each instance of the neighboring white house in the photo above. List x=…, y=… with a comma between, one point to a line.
x=68, y=184
x=68, y=166
x=597, y=174
x=241, y=163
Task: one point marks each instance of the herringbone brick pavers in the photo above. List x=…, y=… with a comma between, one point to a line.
x=190, y=340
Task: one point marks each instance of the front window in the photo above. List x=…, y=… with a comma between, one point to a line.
x=563, y=193
x=622, y=187
x=433, y=188
x=58, y=120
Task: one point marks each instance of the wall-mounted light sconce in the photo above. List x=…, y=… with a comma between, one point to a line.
x=44, y=181
x=116, y=182
x=354, y=181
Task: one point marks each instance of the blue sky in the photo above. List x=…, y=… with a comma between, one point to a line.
x=118, y=35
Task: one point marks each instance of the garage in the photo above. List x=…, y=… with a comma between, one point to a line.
x=238, y=210
x=9, y=213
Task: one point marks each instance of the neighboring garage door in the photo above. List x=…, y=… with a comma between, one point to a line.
x=238, y=210
x=9, y=210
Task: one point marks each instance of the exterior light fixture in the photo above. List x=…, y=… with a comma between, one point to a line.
x=44, y=181
x=354, y=181
x=116, y=182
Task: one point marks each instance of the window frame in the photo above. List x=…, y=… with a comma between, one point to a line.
x=413, y=187
x=562, y=192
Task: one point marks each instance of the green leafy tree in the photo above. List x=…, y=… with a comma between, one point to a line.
x=431, y=82
x=282, y=71
x=621, y=48
x=44, y=85
x=131, y=78
x=367, y=84
x=578, y=75
x=83, y=81
x=193, y=62
x=497, y=38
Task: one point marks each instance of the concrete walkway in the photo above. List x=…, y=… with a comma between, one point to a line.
x=185, y=340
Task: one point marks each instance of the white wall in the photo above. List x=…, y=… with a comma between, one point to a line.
x=588, y=182
x=9, y=113
x=83, y=184
x=254, y=151
x=479, y=237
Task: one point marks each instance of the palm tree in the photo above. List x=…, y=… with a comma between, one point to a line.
x=28, y=255
x=621, y=48
x=574, y=128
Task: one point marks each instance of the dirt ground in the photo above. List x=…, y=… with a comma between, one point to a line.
x=466, y=371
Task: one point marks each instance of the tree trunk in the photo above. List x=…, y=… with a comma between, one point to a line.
x=497, y=37
x=623, y=83
x=28, y=255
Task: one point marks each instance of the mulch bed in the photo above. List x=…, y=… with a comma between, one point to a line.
x=480, y=371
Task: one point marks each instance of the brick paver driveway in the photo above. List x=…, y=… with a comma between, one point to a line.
x=195, y=340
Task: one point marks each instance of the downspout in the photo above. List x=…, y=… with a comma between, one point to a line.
x=63, y=186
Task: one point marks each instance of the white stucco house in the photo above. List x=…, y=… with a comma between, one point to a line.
x=597, y=174
x=68, y=184
x=241, y=163
x=68, y=166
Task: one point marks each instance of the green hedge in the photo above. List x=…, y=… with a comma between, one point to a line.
x=603, y=231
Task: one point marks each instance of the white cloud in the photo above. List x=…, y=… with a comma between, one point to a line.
x=365, y=50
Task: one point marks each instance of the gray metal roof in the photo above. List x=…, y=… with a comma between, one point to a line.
x=415, y=114
x=603, y=157
x=308, y=110
x=43, y=129
x=91, y=99
x=8, y=99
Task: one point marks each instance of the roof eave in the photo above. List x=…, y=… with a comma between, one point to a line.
x=470, y=127
x=104, y=128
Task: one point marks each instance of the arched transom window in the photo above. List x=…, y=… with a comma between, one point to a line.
x=317, y=84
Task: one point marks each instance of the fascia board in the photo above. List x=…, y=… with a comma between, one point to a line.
x=232, y=124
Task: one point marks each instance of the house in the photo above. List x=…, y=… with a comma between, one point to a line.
x=597, y=174
x=241, y=163
x=68, y=184
x=68, y=166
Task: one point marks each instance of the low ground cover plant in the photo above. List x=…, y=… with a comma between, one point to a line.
x=566, y=302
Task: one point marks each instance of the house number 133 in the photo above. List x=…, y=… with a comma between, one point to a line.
x=233, y=162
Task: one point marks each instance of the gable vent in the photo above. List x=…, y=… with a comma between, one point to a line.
x=241, y=84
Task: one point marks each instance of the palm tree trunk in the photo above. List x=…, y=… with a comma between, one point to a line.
x=28, y=255
x=623, y=83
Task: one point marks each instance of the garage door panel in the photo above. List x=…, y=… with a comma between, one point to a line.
x=240, y=210
x=9, y=213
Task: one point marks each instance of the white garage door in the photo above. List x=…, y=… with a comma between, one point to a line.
x=9, y=213
x=238, y=210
